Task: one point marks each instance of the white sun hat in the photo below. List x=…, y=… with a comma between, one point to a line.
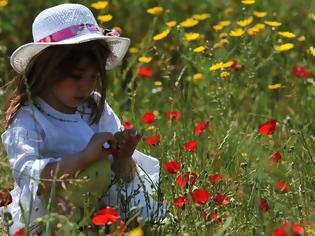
x=68, y=24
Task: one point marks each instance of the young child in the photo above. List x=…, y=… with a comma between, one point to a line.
x=59, y=128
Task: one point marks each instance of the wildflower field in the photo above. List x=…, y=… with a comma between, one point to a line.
x=224, y=93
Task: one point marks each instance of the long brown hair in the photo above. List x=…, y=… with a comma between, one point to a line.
x=52, y=65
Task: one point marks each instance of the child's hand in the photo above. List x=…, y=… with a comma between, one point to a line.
x=95, y=150
x=124, y=165
x=127, y=142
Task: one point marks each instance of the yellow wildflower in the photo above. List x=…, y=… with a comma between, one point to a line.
x=260, y=14
x=223, y=36
x=136, y=232
x=200, y=17
x=99, y=5
x=224, y=41
x=192, y=36
x=245, y=22
x=133, y=50
x=273, y=23
x=155, y=11
x=312, y=16
x=218, y=45
x=255, y=29
x=161, y=35
x=200, y=49
x=171, y=23
x=197, y=76
x=224, y=74
x=221, y=65
x=227, y=64
x=252, y=31
x=158, y=83
x=104, y=18
x=217, y=27
x=237, y=32
x=260, y=26
x=274, y=86
x=301, y=38
x=225, y=23
x=310, y=230
x=144, y=59
x=311, y=51
x=287, y=34
x=188, y=23
x=3, y=3
x=216, y=66
x=284, y=47
x=248, y=2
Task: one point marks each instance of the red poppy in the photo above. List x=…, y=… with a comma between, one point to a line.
x=301, y=72
x=148, y=117
x=214, y=217
x=200, y=196
x=264, y=206
x=287, y=226
x=106, y=216
x=180, y=202
x=235, y=66
x=297, y=229
x=219, y=199
x=20, y=232
x=214, y=179
x=153, y=140
x=145, y=71
x=268, y=127
x=191, y=146
x=172, y=166
x=187, y=179
x=127, y=124
x=5, y=197
x=276, y=157
x=279, y=232
x=200, y=127
x=282, y=186
x=173, y=115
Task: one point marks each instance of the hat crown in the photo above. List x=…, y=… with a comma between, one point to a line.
x=60, y=17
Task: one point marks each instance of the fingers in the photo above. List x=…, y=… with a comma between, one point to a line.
x=109, y=138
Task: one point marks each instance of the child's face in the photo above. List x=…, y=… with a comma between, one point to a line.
x=69, y=93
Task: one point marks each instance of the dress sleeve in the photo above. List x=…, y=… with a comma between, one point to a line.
x=23, y=141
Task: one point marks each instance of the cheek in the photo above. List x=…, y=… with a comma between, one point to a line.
x=64, y=88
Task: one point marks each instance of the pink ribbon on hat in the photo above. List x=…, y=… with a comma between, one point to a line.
x=72, y=31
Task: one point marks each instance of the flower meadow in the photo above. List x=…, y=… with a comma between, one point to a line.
x=224, y=94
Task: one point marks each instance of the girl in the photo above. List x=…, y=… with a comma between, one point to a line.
x=58, y=128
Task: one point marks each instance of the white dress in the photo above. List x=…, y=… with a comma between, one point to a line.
x=40, y=135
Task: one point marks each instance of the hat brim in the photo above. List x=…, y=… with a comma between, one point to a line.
x=118, y=46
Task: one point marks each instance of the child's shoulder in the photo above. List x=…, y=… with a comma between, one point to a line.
x=24, y=126
x=25, y=117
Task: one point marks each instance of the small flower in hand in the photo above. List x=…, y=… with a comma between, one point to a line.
x=127, y=142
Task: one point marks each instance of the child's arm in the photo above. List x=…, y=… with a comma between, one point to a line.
x=68, y=166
